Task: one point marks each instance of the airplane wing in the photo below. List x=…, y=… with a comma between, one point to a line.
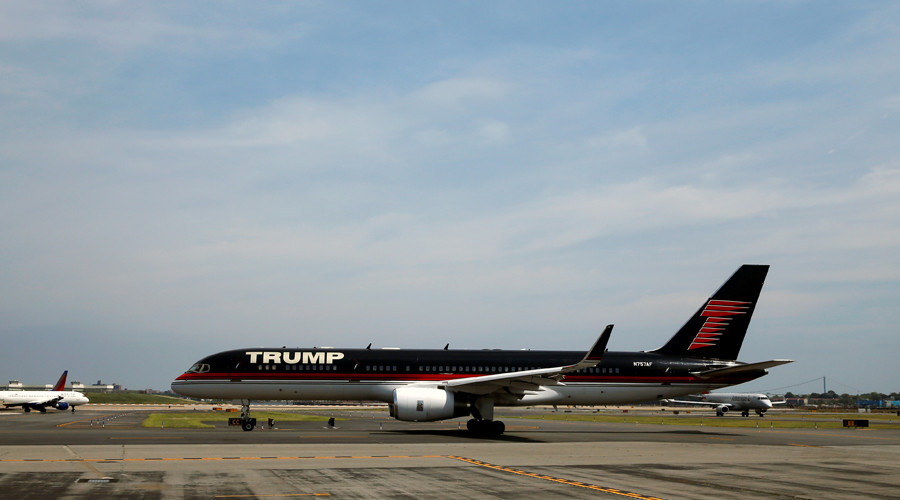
x=716, y=372
x=35, y=402
x=46, y=402
x=51, y=401
x=517, y=383
x=704, y=403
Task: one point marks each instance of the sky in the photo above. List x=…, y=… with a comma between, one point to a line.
x=179, y=179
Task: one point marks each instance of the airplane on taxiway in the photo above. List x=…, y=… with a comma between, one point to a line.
x=58, y=398
x=724, y=402
x=438, y=384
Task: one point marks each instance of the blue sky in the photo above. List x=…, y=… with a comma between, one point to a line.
x=179, y=179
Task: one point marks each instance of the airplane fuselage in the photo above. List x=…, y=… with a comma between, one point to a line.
x=26, y=398
x=374, y=374
x=725, y=402
x=740, y=401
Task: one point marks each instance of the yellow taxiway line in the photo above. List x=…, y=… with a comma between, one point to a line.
x=472, y=461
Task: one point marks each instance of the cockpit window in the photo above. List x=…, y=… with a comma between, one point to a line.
x=199, y=368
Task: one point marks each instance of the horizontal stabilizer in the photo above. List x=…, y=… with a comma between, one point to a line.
x=731, y=370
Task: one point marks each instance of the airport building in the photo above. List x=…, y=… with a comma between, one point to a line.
x=15, y=385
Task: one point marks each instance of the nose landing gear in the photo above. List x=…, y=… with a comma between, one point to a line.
x=247, y=422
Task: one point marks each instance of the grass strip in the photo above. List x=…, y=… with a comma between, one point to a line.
x=134, y=398
x=746, y=422
x=200, y=419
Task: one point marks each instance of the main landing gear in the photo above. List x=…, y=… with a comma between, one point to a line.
x=488, y=427
x=483, y=410
x=247, y=422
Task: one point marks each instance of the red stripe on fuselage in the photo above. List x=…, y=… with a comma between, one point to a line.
x=410, y=378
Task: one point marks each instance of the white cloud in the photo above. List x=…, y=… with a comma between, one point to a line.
x=633, y=137
x=529, y=197
x=459, y=94
x=494, y=132
x=117, y=27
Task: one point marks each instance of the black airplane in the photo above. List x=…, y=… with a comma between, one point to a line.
x=423, y=385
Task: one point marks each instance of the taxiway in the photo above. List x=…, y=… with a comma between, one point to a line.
x=104, y=452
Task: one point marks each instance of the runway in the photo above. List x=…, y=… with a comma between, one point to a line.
x=103, y=452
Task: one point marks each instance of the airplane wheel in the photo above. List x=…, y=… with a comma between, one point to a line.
x=488, y=427
x=27, y=410
x=477, y=426
x=247, y=425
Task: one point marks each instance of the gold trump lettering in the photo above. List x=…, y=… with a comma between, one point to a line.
x=294, y=357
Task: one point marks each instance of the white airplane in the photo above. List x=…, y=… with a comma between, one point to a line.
x=58, y=398
x=733, y=401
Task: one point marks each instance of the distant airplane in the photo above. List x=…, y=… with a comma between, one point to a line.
x=439, y=384
x=733, y=401
x=58, y=398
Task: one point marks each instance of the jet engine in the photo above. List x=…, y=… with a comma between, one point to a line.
x=721, y=410
x=62, y=405
x=420, y=404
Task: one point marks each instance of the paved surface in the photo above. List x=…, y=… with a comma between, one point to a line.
x=103, y=452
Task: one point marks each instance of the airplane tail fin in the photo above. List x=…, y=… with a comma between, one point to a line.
x=717, y=329
x=61, y=383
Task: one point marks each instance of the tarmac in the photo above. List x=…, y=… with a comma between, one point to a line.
x=104, y=452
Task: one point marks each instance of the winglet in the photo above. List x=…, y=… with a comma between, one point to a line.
x=595, y=354
x=61, y=383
